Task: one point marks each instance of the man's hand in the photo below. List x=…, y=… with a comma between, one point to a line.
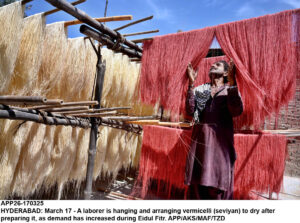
x=191, y=74
x=231, y=73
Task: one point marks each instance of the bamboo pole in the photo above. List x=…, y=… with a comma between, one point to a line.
x=82, y=16
x=127, y=118
x=65, y=104
x=135, y=60
x=141, y=40
x=94, y=114
x=110, y=44
x=14, y=114
x=94, y=110
x=102, y=19
x=141, y=33
x=53, y=102
x=133, y=23
x=111, y=109
x=75, y=108
x=25, y=1
x=23, y=100
x=144, y=122
x=57, y=10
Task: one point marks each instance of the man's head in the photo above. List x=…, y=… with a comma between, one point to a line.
x=219, y=69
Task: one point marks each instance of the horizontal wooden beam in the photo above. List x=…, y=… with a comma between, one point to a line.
x=63, y=109
x=14, y=114
x=141, y=33
x=88, y=115
x=133, y=23
x=141, y=40
x=133, y=118
x=107, y=41
x=82, y=16
x=102, y=19
x=66, y=104
x=57, y=10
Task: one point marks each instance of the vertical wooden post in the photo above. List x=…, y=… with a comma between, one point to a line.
x=94, y=129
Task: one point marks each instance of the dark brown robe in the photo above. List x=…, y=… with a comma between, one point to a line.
x=212, y=155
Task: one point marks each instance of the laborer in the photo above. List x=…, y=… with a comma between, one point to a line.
x=210, y=162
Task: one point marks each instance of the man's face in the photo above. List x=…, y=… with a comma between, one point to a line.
x=217, y=68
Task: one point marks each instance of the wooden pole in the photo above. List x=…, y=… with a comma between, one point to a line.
x=111, y=109
x=103, y=19
x=14, y=114
x=57, y=10
x=127, y=118
x=65, y=104
x=23, y=100
x=133, y=23
x=141, y=33
x=101, y=65
x=141, y=40
x=75, y=108
x=106, y=41
x=82, y=16
x=94, y=114
x=93, y=110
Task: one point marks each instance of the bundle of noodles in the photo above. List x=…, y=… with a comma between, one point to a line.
x=116, y=150
x=121, y=84
x=71, y=83
x=89, y=72
x=34, y=159
x=11, y=20
x=28, y=60
x=52, y=66
x=66, y=151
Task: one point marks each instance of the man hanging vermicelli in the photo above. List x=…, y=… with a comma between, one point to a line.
x=210, y=162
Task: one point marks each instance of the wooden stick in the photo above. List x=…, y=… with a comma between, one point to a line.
x=141, y=40
x=66, y=104
x=110, y=44
x=175, y=124
x=19, y=115
x=157, y=122
x=127, y=118
x=54, y=102
x=94, y=114
x=94, y=110
x=133, y=23
x=144, y=122
x=135, y=60
x=102, y=19
x=141, y=33
x=25, y=1
x=82, y=16
x=75, y=108
x=57, y=10
x=111, y=109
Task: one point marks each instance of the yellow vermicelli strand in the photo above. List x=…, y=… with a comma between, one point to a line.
x=53, y=60
x=11, y=20
x=89, y=72
x=71, y=83
x=28, y=61
x=11, y=143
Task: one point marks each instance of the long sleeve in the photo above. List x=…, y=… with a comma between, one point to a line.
x=190, y=102
x=234, y=101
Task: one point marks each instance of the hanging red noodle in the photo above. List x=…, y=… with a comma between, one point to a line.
x=164, y=65
x=259, y=166
x=262, y=49
x=264, y=54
